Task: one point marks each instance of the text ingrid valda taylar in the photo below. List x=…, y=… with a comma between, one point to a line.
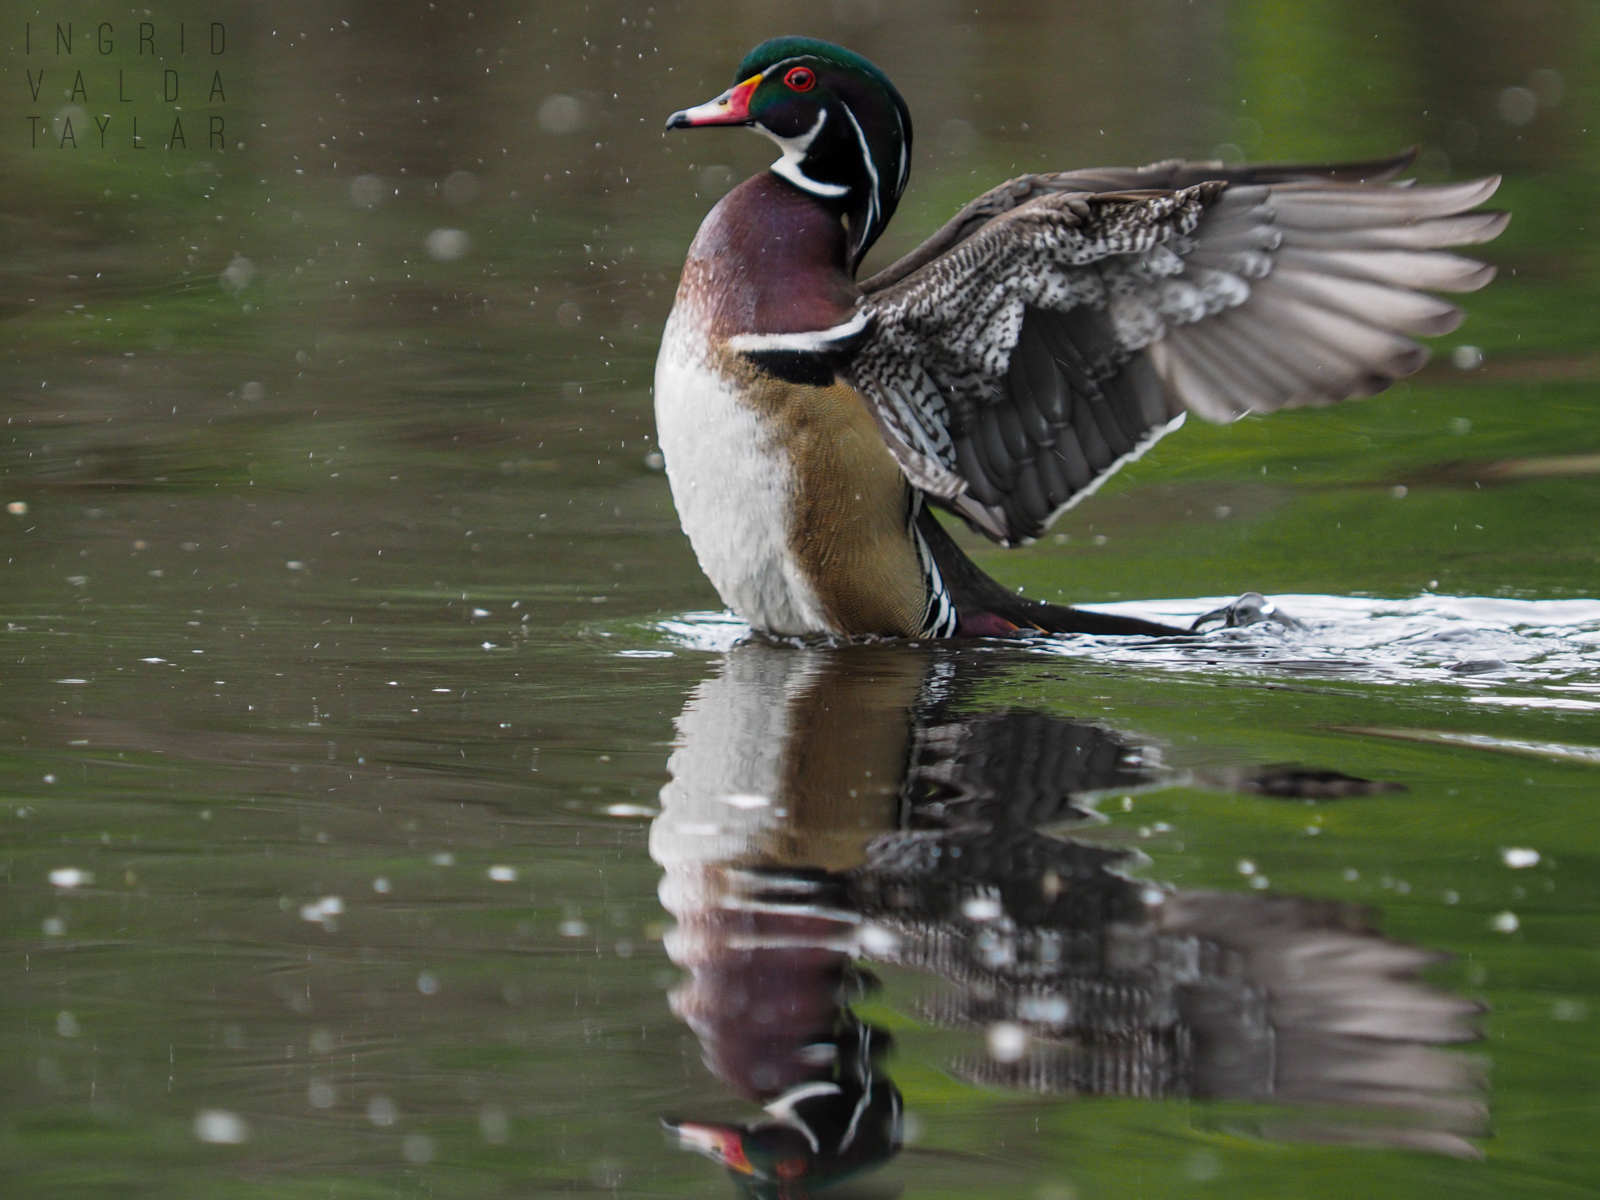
x=104, y=77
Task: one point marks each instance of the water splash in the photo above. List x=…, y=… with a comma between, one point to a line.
x=1518, y=653
x=1478, y=643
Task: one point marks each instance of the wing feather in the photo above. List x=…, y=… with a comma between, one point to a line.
x=1215, y=357
x=1324, y=207
x=1279, y=373
x=1386, y=306
x=1190, y=377
x=1037, y=389
x=1467, y=229
x=1435, y=270
x=975, y=472
x=1060, y=324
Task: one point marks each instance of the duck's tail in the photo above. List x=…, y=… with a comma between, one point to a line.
x=986, y=609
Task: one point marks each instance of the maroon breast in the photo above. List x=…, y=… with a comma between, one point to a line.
x=769, y=259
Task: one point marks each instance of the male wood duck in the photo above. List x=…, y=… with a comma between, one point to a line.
x=1053, y=330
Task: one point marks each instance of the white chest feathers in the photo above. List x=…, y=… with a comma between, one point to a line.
x=733, y=485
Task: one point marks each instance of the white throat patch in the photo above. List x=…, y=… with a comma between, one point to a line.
x=794, y=153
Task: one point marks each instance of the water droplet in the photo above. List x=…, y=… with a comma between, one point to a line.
x=628, y=810
x=448, y=245
x=1569, y=1010
x=1517, y=105
x=981, y=908
x=236, y=276
x=1008, y=1041
x=878, y=942
x=367, y=191
x=220, y=1127
x=494, y=1126
x=715, y=181
x=323, y=912
x=560, y=114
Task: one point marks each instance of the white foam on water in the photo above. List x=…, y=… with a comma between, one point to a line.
x=1508, y=652
x=1480, y=643
x=712, y=632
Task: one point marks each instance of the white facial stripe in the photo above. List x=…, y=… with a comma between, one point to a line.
x=811, y=341
x=875, y=207
x=794, y=153
x=905, y=157
x=855, y=1119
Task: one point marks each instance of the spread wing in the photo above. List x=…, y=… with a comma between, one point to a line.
x=1057, y=327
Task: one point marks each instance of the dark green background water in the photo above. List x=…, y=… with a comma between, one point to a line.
x=340, y=561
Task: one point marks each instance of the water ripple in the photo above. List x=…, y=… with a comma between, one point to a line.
x=1474, y=642
x=1514, y=652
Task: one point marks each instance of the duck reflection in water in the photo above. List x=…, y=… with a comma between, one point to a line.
x=829, y=808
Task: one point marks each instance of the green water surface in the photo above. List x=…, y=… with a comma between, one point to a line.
x=334, y=568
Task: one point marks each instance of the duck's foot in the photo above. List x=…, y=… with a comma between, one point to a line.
x=1252, y=608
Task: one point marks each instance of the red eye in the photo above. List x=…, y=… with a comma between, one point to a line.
x=801, y=79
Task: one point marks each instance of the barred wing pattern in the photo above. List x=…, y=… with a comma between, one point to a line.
x=1050, y=334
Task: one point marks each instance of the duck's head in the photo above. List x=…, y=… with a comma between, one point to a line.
x=765, y=1162
x=774, y=1160
x=844, y=130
